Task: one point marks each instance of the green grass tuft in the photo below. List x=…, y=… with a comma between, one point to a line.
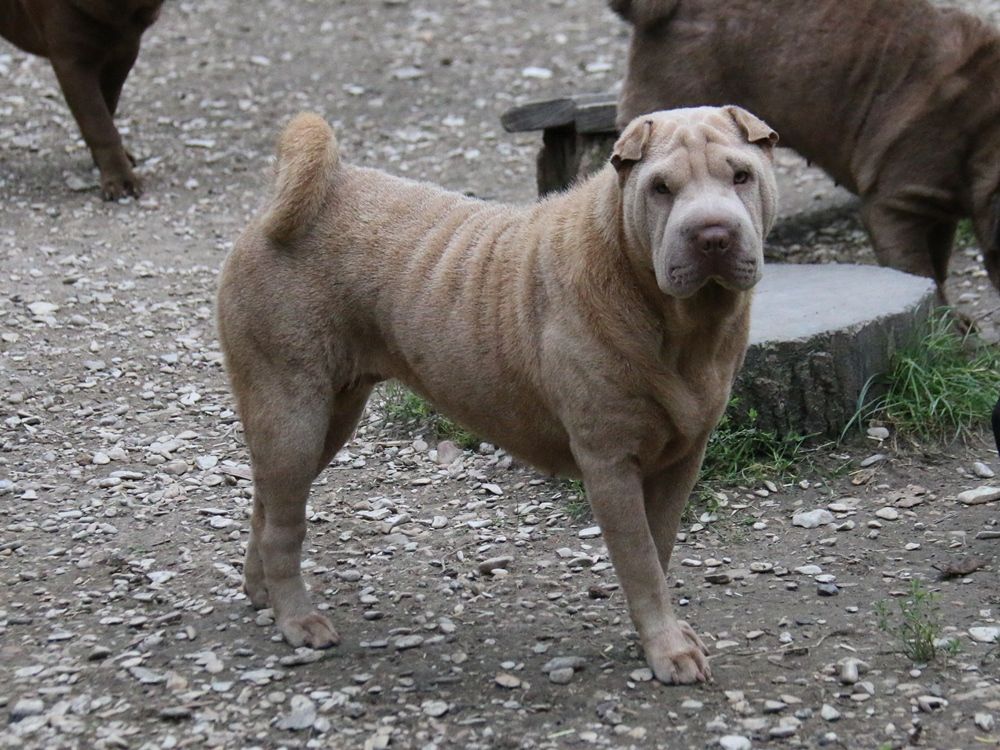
x=917, y=626
x=739, y=451
x=939, y=387
x=402, y=406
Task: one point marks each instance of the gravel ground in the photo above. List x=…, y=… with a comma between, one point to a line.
x=456, y=578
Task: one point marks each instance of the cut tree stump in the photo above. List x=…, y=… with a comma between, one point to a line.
x=818, y=335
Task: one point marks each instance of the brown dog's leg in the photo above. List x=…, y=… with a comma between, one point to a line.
x=113, y=77
x=916, y=243
x=81, y=86
x=672, y=650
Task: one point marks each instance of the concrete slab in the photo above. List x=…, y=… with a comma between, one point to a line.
x=818, y=334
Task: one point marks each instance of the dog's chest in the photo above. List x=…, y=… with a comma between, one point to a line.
x=682, y=414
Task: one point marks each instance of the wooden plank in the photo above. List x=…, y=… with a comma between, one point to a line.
x=539, y=115
x=596, y=117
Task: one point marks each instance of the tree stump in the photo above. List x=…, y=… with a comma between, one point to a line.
x=820, y=334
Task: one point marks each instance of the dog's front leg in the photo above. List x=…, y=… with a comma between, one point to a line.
x=81, y=85
x=615, y=489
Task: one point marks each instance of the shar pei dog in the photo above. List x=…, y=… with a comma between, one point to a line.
x=595, y=334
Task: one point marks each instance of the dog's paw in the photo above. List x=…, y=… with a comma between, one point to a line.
x=115, y=186
x=256, y=593
x=678, y=656
x=312, y=630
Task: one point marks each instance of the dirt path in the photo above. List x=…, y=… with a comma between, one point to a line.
x=124, y=502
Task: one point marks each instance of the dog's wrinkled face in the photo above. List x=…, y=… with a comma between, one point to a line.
x=698, y=195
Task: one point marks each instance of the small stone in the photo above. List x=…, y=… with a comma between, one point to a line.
x=42, y=309
x=851, y=669
x=982, y=471
x=302, y=656
x=984, y=634
x=564, y=662
x=809, y=570
x=887, y=514
x=827, y=589
x=782, y=731
x=435, y=709
x=535, y=72
x=773, y=707
x=979, y=496
x=406, y=642
x=645, y=674
x=591, y=532
x=872, y=460
x=984, y=721
x=507, y=680
x=692, y=705
x=812, y=518
x=301, y=716
x=26, y=707
x=448, y=453
x=561, y=676
x=878, y=433
x=829, y=713
x=734, y=742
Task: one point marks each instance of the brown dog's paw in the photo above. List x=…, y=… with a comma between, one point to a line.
x=114, y=187
x=678, y=656
x=312, y=630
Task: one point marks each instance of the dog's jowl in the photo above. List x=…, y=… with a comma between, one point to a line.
x=595, y=334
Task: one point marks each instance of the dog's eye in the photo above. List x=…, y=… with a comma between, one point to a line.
x=741, y=176
x=660, y=188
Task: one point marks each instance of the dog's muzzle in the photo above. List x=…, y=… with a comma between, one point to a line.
x=711, y=252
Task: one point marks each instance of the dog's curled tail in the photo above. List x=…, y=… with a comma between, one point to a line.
x=307, y=158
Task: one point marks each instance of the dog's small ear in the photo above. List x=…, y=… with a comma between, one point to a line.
x=754, y=129
x=631, y=145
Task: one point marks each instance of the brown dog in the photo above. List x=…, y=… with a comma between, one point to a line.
x=896, y=100
x=594, y=334
x=92, y=45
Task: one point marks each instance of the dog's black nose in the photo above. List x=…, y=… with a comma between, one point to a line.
x=714, y=240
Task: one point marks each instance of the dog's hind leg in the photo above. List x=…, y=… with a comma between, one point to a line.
x=912, y=242
x=292, y=431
